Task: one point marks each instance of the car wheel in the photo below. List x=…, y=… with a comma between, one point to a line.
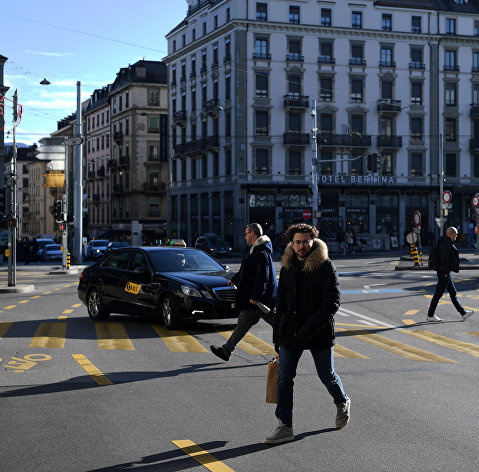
x=96, y=311
x=170, y=312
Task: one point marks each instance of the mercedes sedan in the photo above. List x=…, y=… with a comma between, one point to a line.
x=173, y=283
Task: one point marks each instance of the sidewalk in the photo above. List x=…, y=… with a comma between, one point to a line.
x=468, y=260
x=42, y=267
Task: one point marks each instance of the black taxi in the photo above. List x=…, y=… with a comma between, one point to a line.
x=174, y=283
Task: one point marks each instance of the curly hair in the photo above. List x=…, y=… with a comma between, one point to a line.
x=301, y=228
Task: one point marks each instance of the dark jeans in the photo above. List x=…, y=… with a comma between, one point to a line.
x=288, y=363
x=443, y=283
x=246, y=319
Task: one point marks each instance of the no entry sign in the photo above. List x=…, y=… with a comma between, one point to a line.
x=416, y=218
x=307, y=214
x=475, y=201
x=446, y=196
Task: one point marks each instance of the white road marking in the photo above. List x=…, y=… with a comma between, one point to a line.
x=364, y=317
x=367, y=287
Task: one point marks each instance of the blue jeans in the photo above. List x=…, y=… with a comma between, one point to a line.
x=288, y=363
x=444, y=282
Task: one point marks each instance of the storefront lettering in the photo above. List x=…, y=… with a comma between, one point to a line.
x=356, y=179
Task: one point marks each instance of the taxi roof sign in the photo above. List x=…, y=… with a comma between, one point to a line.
x=177, y=242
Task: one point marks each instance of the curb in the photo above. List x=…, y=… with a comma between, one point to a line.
x=425, y=267
x=22, y=288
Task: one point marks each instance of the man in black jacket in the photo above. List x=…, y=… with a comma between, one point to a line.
x=308, y=299
x=256, y=282
x=448, y=262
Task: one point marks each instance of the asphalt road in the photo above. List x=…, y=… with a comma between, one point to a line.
x=124, y=394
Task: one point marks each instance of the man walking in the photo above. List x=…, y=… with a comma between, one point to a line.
x=256, y=282
x=448, y=261
x=308, y=298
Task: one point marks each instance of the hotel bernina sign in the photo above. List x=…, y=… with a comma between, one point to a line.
x=356, y=179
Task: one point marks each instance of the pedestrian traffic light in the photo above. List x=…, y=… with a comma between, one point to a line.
x=12, y=222
x=62, y=226
x=57, y=211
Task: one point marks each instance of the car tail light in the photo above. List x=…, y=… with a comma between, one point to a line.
x=82, y=275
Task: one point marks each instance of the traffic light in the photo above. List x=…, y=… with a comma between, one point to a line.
x=62, y=226
x=12, y=222
x=57, y=211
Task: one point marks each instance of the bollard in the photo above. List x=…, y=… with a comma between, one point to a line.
x=413, y=250
x=68, y=259
x=420, y=257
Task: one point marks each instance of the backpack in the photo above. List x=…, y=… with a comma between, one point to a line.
x=433, y=262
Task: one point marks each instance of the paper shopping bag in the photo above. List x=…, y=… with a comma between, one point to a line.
x=272, y=380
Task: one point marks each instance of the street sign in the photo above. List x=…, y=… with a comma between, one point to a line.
x=411, y=238
x=446, y=206
x=416, y=230
x=440, y=222
x=307, y=214
x=74, y=140
x=475, y=201
x=416, y=218
x=446, y=196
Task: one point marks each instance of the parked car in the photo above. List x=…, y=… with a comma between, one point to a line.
x=213, y=245
x=116, y=245
x=95, y=248
x=175, y=284
x=52, y=252
x=41, y=243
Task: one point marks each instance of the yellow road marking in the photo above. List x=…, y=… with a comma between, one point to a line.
x=251, y=344
x=50, y=335
x=4, y=327
x=113, y=336
x=68, y=285
x=46, y=293
x=36, y=296
x=342, y=352
x=58, y=288
x=474, y=333
x=62, y=317
x=401, y=349
x=23, y=301
x=67, y=311
x=409, y=322
x=9, y=307
x=201, y=456
x=178, y=340
x=461, y=346
x=91, y=370
x=411, y=312
x=76, y=305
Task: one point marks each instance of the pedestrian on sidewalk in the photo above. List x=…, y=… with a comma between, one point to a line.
x=308, y=299
x=447, y=262
x=349, y=238
x=256, y=282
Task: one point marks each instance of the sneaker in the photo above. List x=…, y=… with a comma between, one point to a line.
x=342, y=417
x=220, y=352
x=435, y=318
x=283, y=433
x=467, y=314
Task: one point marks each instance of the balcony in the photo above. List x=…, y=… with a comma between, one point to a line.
x=451, y=68
x=212, y=107
x=154, y=188
x=294, y=57
x=417, y=65
x=343, y=140
x=211, y=142
x=389, y=141
x=387, y=64
x=293, y=100
x=357, y=61
x=474, y=144
x=326, y=59
x=474, y=110
x=179, y=148
x=387, y=105
x=262, y=55
x=227, y=59
x=296, y=139
x=118, y=137
x=179, y=118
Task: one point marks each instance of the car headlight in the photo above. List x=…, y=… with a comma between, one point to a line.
x=97, y=250
x=190, y=291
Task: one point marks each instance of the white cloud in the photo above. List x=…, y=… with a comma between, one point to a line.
x=51, y=54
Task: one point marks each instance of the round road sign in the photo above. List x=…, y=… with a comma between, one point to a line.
x=307, y=214
x=475, y=201
x=416, y=218
x=411, y=238
x=446, y=196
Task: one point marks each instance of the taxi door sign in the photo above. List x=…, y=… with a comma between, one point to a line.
x=132, y=288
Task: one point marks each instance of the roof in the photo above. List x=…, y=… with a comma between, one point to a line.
x=140, y=72
x=412, y=4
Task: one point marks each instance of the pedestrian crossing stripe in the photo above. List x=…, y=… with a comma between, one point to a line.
x=461, y=346
x=251, y=344
x=178, y=340
x=401, y=349
x=50, y=335
x=411, y=312
x=91, y=370
x=342, y=352
x=113, y=336
x=474, y=333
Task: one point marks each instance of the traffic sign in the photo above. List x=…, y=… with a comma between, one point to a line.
x=411, y=238
x=416, y=218
x=446, y=196
x=475, y=200
x=74, y=140
x=446, y=206
x=307, y=214
x=440, y=222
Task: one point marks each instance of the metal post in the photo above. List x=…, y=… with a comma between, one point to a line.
x=314, y=164
x=441, y=180
x=78, y=190
x=65, y=212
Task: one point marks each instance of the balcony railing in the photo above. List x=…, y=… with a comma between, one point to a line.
x=357, y=61
x=386, y=105
x=417, y=65
x=294, y=57
x=389, y=141
x=390, y=64
x=343, y=140
x=179, y=117
x=296, y=139
x=212, y=106
x=451, y=68
x=262, y=55
x=118, y=137
x=294, y=100
x=326, y=59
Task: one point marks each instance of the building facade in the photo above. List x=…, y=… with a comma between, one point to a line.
x=396, y=90
x=3, y=124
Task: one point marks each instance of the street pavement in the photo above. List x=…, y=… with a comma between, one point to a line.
x=126, y=394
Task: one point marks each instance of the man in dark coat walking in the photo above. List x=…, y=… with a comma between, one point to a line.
x=448, y=261
x=256, y=282
x=308, y=299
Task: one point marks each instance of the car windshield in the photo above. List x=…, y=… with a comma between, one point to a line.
x=53, y=247
x=222, y=242
x=183, y=261
x=99, y=243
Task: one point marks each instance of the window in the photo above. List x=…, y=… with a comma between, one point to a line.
x=416, y=58
x=153, y=124
x=416, y=164
x=357, y=164
x=294, y=14
x=386, y=23
x=450, y=26
x=294, y=122
x=386, y=126
x=450, y=130
x=450, y=165
x=476, y=28
x=193, y=34
x=228, y=163
x=416, y=129
x=262, y=85
x=227, y=87
x=216, y=165
x=204, y=66
x=193, y=99
x=294, y=85
x=215, y=55
x=325, y=17
x=183, y=40
x=387, y=164
x=387, y=90
x=261, y=11
x=174, y=45
x=451, y=94
x=294, y=163
x=416, y=93
x=475, y=61
x=262, y=125
x=262, y=166
x=228, y=124
x=357, y=124
x=153, y=97
x=326, y=167
x=356, y=89
x=294, y=50
x=386, y=56
x=204, y=28
x=476, y=165
x=228, y=49
x=204, y=167
x=475, y=94
x=451, y=63
x=261, y=48
x=356, y=19
x=153, y=150
x=326, y=89
x=228, y=14
x=326, y=52
x=325, y=123
x=416, y=24
x=215, y=21
x=357, y=54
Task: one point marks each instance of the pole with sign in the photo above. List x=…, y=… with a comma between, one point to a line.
x=475, y=204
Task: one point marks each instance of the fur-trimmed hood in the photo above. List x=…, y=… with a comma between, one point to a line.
x=318, y=255
x=261, y=240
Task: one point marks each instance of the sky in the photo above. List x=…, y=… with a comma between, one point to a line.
x=66, y=42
